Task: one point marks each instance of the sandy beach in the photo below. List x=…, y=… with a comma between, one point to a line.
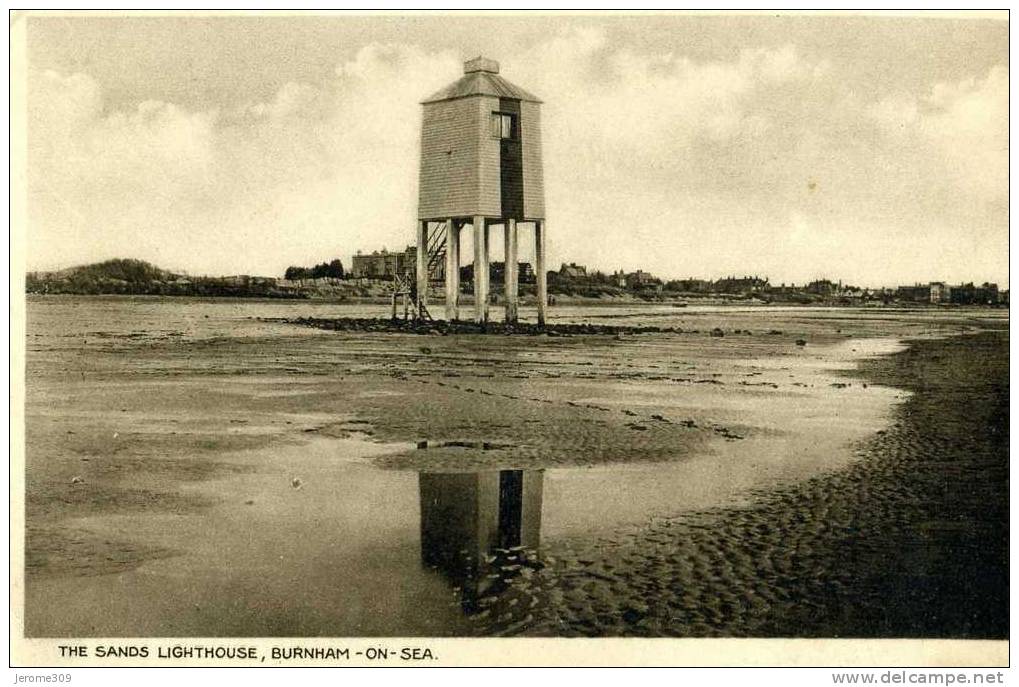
x=910, y=541
x=201, y=468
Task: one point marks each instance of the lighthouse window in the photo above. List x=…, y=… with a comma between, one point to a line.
x=503, y=125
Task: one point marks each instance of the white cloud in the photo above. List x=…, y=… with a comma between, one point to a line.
x=959, y=128
x=319, y=169
x=971, y=126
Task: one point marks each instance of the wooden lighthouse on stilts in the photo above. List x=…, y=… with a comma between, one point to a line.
x=480, y=167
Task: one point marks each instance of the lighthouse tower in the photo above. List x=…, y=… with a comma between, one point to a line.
x=480, y=167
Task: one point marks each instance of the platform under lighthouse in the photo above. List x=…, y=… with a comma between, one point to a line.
x=481, y=167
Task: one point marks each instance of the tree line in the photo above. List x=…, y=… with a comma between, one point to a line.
x=332, y=269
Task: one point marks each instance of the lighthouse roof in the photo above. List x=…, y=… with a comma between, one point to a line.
x=481, y=77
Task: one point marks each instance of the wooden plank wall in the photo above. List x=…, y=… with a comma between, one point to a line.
x=449, y=177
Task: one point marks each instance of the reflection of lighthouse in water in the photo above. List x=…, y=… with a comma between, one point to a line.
x=477, y=528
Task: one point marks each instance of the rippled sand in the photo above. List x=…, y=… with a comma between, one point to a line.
x=911, y=541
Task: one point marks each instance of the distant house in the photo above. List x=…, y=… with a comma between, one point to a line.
x=384, y=264
x=917, y=293
x=691, y=285
x=572, y=271
x=989, y=293
x=641, y=278
x=497, y=273
x=822, y=287
x=968, y=294
x=940, y=292
x=742, y=285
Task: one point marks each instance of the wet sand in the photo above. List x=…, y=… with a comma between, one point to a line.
x=694, y=485
x=911, y=541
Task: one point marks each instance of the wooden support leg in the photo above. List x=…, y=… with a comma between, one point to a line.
x=452, y=270
x=539, y=268
x=480, y=270
x=511, y=288
x=422, y=267
x=487, y=271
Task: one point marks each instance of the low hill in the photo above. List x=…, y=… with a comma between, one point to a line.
x=119, y=269
x=128, y=276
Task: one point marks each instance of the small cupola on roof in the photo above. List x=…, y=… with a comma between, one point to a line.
x=481, y=64
x=481, y=77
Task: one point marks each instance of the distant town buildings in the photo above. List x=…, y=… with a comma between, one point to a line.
x=372, y=274
x=575, y=279
x=939, y=292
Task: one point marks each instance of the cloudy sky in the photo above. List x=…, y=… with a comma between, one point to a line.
x=873, y=150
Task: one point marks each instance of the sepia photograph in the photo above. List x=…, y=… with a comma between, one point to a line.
x=354, y=338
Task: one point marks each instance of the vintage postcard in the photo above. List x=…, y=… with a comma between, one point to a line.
x=502, y=338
